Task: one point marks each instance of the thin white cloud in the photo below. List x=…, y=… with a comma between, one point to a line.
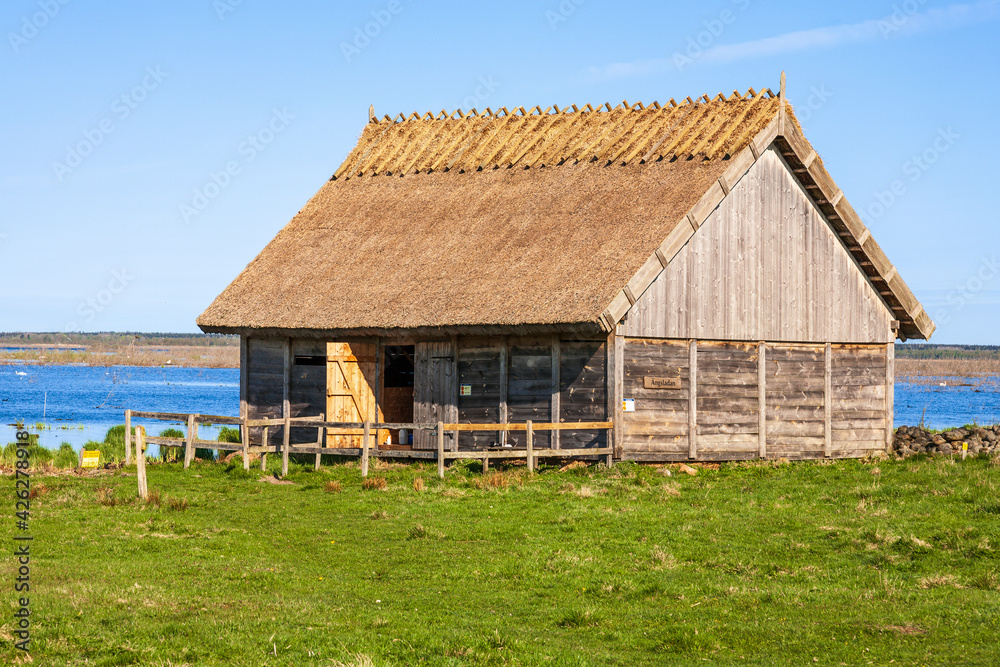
x=895, y=25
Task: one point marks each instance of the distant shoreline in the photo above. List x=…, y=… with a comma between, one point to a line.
x=116, y=349
x=215, y=351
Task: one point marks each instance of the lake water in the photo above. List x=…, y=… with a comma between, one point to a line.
x=80, y=403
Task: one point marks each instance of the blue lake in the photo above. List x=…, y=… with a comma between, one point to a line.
x=80, y=403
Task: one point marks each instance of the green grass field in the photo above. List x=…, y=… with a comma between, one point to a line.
x=807, y=563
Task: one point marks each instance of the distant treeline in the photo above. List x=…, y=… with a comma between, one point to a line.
x=928, y=351
x=114, y=339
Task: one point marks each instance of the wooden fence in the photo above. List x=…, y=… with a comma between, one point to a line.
x=369, y=444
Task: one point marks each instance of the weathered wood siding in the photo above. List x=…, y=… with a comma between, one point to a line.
x=529, y=388
x=307, y=390
x=480, y=369
x=582, y=391
x=861, y=414
x=765, y=265
x=659, y=424
x=265, y=382
x=434, y=389
x=809, y=411
x=794, y=395
x=727, y=400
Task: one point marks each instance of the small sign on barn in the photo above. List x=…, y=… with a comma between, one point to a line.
x=466, y=390
x=661, y=383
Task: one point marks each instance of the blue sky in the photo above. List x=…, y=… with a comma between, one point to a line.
x=151, y=150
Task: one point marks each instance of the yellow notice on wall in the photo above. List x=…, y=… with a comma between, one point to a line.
x=90, y=459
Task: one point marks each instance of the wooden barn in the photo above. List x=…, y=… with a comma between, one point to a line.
x=689, y=272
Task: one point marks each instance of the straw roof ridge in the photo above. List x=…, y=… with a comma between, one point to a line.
x=707, y=128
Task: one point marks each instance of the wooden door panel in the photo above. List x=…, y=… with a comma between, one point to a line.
x=352, y=369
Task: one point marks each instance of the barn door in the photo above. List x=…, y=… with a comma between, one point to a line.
x=351, y=378
x=435, y=390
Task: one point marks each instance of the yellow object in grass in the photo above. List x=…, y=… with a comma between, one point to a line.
x=90, y=458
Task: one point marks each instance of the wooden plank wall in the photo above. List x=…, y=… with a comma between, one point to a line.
x=765, y=265
x=809, y=412
x=859, y=384
x=529, y=387
x=307, y=391
x=795, y=397
x=582, y=392
x=659, y=425
x=479, y=366
x=435, y=389
x=727, y=400
x=265, y=371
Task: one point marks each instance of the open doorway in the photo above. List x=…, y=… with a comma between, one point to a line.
x=397, y=401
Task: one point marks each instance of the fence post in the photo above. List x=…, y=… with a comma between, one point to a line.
x=263, y=455
x=128, y=437
x=440, y=435
x=365, y=440
x=530, y=442
x=319, y=441
x=245, y=437
x=140, y=461
x=189, y=442
x=286, y=439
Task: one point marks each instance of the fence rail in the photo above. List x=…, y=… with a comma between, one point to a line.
x=369, y=444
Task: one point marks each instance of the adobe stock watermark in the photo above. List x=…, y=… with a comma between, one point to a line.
x=913, y=169
x=32, y=24
x=562, y=13
x=483, y=92
x=818, y=97
x=89, y=308
x=247, y=150
x=224, y=7
x=363, y=35
x=966, y=292
x=706, y=39
x=901, y=15
x=121, y=108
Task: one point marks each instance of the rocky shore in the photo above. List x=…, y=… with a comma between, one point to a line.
x=912, y=440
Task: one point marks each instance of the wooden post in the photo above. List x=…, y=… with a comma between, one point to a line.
x=529, y=440
x=285, y=444
x=614, y=354
x=189, y=442
x=365, y=443
x=486, y=464
x=266, y=441
x=502, y=435
x=556, y=362
x=440, y=438
x=828, y=401
x=244, y=406
x=245, y=437
x=319, y=442
x=286, y=409
x=693, y=400
x=762, y=398
x=890, y=395
x=128, y=437
x=140, y=461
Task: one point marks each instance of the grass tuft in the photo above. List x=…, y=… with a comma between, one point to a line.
x=579, y=619
x=374, y=482
x=418, y=484
x=333, y=486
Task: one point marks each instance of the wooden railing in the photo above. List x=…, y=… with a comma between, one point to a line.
x=369, y=444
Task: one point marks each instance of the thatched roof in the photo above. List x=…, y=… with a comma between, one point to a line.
x=532, y=218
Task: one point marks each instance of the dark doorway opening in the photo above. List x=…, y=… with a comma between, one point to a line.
x=397, y=402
